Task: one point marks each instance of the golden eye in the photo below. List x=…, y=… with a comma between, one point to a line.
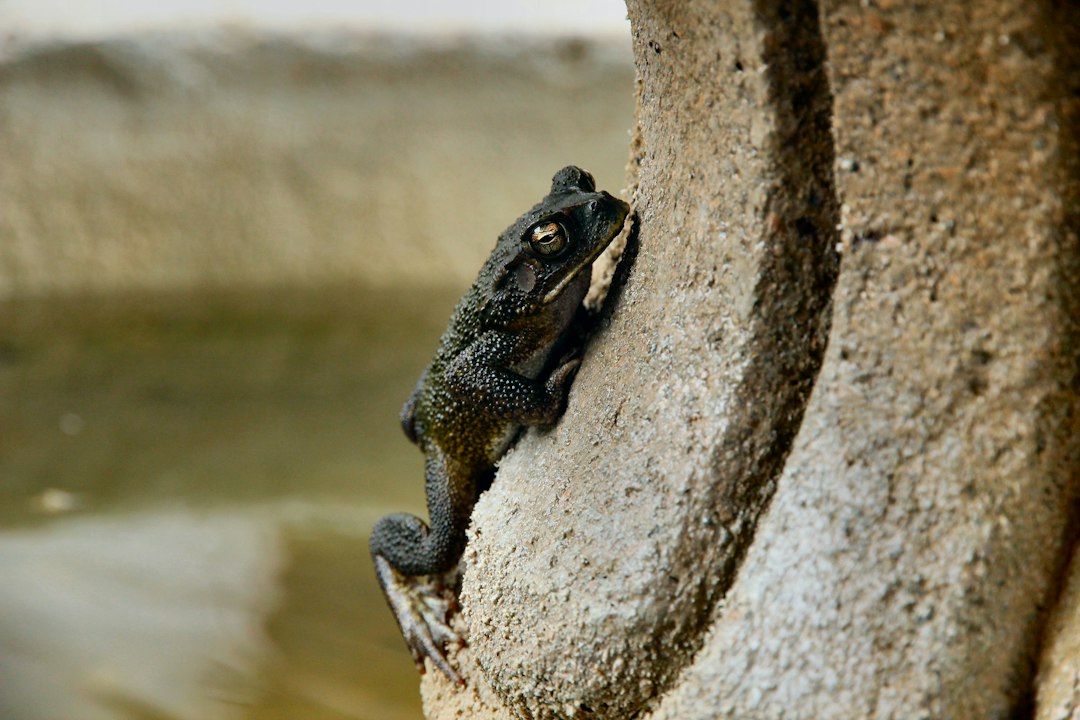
x=548, y=238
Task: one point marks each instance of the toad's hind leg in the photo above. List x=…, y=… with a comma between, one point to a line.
x=404, y=549
x=412, y=547
x=422, y=613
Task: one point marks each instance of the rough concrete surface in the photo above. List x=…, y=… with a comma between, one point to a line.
x=584, y=589
x=904, y=564
x=821, y=460
x=229, y=159
x=636, y=561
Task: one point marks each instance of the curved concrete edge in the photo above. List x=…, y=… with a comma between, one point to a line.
x=918, y=530
x=583, y=592
x=1057, y=685
x=914, y=542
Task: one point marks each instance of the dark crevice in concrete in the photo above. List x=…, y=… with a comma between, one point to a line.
x=793, y=295
x=1061, y=34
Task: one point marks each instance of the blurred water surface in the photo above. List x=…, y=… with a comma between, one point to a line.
x=188, y=481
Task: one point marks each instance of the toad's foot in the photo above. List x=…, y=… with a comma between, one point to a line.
x=422, y=613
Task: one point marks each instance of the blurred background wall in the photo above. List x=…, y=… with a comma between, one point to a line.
x=249, y=152
x=230, y=235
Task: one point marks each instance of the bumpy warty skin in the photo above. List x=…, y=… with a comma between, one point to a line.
x=503, y=362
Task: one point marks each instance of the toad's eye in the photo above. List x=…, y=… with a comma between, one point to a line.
x=548, y=238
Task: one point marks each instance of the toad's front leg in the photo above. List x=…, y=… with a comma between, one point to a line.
x=482, y=376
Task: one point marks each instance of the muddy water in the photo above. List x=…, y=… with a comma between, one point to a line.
x=187, y=484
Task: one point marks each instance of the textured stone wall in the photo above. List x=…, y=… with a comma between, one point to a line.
x=822, y=460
